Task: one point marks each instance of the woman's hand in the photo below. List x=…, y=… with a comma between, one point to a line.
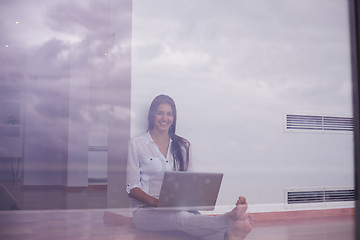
x=154, y=202
x=143, y=197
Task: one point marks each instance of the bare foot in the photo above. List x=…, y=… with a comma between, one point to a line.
x=238, y=210
x=240, y=222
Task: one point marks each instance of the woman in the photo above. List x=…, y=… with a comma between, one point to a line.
x=160, y=150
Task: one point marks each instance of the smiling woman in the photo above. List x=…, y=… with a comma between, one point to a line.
x=162, y=123
x=160, y=150
x=163, y=118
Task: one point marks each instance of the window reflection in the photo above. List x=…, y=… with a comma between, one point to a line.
x=65, y=82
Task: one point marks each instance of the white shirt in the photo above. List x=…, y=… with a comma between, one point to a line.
x=146, y=165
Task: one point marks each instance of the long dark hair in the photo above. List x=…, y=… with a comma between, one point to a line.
x=178, y=144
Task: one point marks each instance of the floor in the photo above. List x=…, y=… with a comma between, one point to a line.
x=58, y=214
x=108, y=225
x=56, y=197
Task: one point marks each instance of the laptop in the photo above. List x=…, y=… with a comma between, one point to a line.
x=189, y=190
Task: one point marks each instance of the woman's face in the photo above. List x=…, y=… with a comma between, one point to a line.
x=164, y=117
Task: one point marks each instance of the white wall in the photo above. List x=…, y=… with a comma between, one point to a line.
x=234, y=69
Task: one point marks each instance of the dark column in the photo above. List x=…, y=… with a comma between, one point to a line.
x=354, y=7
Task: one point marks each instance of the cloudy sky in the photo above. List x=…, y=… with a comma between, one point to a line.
x=293, y=50
x=63, y=57
x=240, y=60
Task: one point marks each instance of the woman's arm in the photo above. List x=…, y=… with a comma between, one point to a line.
x=143, y=197
x=133, y=177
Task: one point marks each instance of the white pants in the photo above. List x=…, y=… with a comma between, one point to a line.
x=193, y=223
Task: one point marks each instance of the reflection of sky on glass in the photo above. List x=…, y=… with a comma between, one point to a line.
x=64, y=57
x=273, y=55
x=277, y=49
